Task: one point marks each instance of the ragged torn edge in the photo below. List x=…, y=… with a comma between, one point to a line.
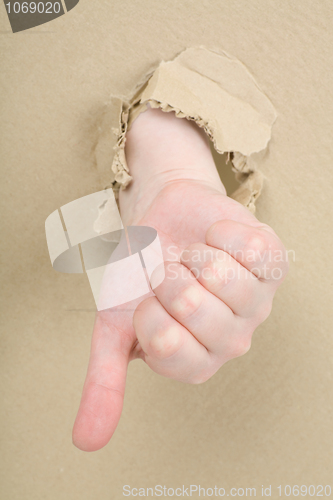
x=218, y=93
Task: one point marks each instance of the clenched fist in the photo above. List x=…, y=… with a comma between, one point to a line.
x=222, y=268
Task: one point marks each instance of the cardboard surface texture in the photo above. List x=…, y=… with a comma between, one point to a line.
x=255, y=76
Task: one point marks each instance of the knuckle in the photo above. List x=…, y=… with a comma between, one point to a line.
x=187, y=302
x=264, y=310
x=169, y=266
x=241, y=346
x=208, y=371
x=165, y=343
x=195, y=247
x=200, y=378
x=175, y=271
x=215, y=274
x=217, y=228
x=268, y=247
x=257, y=242
x=142, y=310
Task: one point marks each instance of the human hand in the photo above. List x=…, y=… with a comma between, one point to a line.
x=222, y=269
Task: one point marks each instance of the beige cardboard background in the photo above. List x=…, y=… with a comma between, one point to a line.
x=265, y=418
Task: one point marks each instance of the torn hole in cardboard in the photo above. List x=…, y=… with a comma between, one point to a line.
x=217, y=92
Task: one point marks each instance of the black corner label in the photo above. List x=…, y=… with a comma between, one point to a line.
x=25, y=15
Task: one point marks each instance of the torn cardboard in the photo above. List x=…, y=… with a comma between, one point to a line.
x=217, y=92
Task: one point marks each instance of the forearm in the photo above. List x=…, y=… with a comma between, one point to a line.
x=160, y=150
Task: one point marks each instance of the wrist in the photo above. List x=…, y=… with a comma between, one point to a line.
x=162, y=149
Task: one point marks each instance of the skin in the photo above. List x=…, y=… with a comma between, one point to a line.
x=220, y=278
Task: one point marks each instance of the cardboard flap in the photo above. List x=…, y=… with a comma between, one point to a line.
x=221, y=96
